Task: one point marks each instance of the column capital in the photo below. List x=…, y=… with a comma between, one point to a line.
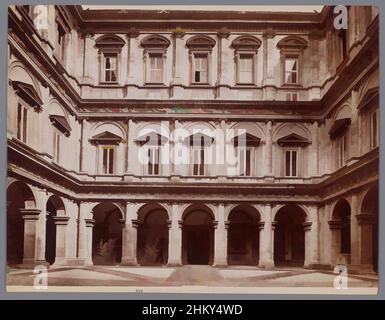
x=90, y=222
x=364, y=218
x=136, y=223
x=261, y=225
x=274, y=224
x=61, y=220
x=335, y=224
x=307, y=225
x=30, y=214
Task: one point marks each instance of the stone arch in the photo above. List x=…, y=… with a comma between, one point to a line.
x=292, y=42
x=18, y=72
x=243, y=223
x=198, y=235
x=246, y=42
x=54, y=207
x=155, y=41
x=113, y=127
x=340, y=228
x=147, y=127
x=107, y=233
x=288, y=128
x=200, y=42
x=56, y=108
x=289, y=235
x=153, y=234
x=368, y=219
x=20, y=199
x=109, y=41
x=344, y=111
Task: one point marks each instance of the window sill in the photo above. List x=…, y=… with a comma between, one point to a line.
x=291, y=85
x=110, y=84
x=200, y=85
x=154, y=85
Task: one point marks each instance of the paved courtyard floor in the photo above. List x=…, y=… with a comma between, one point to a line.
x=195, y=279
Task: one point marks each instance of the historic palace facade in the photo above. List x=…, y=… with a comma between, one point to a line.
x=121, y=124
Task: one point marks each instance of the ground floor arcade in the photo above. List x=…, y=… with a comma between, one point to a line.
x=43, y=227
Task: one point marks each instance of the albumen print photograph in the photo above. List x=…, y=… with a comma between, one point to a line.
x=193, y=149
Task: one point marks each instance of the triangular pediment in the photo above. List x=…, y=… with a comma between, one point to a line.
x=61, y=123
x=293, y=139
x=339, y=126
x=106, y=137
x=246, y=139
x=152, y=138
x=199, y=139
x=28, y=93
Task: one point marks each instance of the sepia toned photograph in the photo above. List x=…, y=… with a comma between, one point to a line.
x=193, y=149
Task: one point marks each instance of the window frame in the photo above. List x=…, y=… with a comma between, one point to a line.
x=22, y=122
x=297, y=72
x=156, y=153
x=201, y=167
x=102, y=149
x=104, y=70
x=193, y=67
x=250, y=150
x=374, y=134
x=342, y=150
x=161, y=54
x=298, y=166
x=253, y=71
x=56, y=145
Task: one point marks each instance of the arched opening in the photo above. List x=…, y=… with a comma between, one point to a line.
x=198, y=236
x=19, y=196
x=107, y=234
x=341, y=214
x=369, y=232
x=289, y=236
x=152, y=236
x=53, y=208
x=243, y=236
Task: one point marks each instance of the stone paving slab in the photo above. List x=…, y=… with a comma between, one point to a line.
x=238, y=274
x=162, y=273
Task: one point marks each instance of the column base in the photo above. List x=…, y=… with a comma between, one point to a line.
x=32, y=263
x=174, y=264
x=266, y=265
x=129, y=262
x=318, y=266
x=361, y=269
x=75, y=262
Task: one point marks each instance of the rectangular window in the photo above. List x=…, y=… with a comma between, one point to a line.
x=110, y=67
x=291, y=70
x=291, y=96
x=198, y=161
x=342, y=150
x=56, y=146
x=108, y=160
x=244, y=162
x=60, y=40
x=155, y=66
x=342, y=35
x=22, y=122
x=153, y=160
x=245, y=68
x=291, y=163
x=200, y=69
x=374, y=129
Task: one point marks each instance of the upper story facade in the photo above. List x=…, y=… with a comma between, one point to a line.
x=289, y=97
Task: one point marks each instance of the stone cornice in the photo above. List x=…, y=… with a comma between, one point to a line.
x=61, y=86
x=276, y=192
